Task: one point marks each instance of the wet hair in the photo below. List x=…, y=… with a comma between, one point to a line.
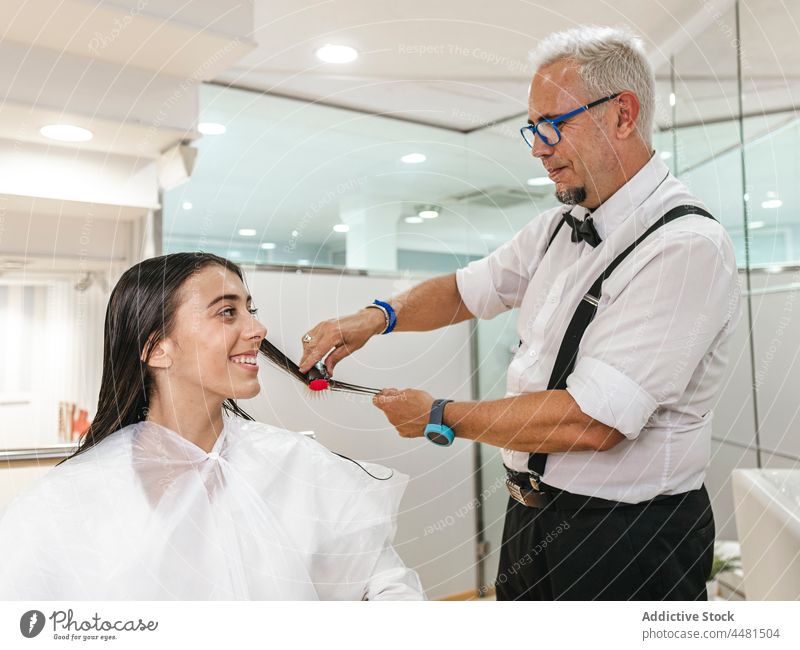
x=141, y=312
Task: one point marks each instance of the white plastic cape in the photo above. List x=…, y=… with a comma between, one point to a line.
x=146, y=514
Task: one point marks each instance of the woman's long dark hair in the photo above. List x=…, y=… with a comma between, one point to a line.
x=142, y=311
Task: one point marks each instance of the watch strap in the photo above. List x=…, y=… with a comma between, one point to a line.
x=436, y=431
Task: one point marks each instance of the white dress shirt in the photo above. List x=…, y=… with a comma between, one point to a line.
x=651, y=362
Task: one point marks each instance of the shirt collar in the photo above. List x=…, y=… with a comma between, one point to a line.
x=619, y=206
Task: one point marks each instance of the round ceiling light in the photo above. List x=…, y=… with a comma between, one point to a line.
x=337, y=53
x=211, y=128
x=66, y=133
x=414, y=158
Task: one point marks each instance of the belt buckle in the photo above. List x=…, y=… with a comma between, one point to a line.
x=528, y=498
x=534, y=480
x=514, y=491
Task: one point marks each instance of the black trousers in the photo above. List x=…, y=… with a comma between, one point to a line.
x=654, y=551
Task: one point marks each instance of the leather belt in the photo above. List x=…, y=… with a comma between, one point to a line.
x=527, y=490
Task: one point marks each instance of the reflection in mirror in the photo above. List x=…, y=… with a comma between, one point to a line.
x=290, y=182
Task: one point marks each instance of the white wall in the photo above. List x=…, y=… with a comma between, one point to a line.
x=436, y=526
x=76, y=175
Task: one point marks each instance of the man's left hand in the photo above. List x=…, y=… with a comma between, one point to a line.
x=408, y=410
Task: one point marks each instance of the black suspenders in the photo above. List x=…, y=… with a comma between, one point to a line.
x=585, y=312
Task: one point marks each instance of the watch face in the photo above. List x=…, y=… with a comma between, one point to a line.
x=438, y=438
x=439, y=434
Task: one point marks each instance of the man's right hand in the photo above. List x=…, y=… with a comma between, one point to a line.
x=344, y=336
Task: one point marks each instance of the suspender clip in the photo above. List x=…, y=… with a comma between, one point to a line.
x=591, y=300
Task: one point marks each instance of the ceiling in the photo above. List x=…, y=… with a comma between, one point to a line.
x=124, y=69
x=450, y=63
x=464, y=65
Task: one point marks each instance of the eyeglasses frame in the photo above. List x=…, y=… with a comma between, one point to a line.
x=534, y=128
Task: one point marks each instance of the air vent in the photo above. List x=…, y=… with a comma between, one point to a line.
x=496, y=196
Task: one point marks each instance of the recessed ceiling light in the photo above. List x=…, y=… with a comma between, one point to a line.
x=774, y=269
x=303, y=262
x=295, y=233
x=428, y=213
x=665, y=155
x=66, y=133
x=268, y=245
x=413, y=220
x=337, y=53
x=13, y=265
x=672, y=99
x=211, y=128
x=771, y=194
x=414, y=158
x=539, y=181
x=248, y=232
x=235, y=254
x=341, y=227
x=755, y=225
x=771, y=203
x=186, y=205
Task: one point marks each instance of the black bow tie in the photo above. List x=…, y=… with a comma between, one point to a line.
x=583, y=230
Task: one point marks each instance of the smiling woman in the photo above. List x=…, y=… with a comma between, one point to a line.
x=175, y=492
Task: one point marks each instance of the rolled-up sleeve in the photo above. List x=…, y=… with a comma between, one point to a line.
x=610, y=397
x=498, y=282
x=660, y=317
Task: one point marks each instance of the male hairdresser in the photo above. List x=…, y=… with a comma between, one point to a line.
x=627, y=296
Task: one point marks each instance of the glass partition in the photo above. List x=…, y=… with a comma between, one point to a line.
x=293, y=182
x=770, y=91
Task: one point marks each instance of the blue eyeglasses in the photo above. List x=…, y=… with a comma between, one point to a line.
x=546, y=128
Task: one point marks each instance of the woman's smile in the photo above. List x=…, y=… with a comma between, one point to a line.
x=247, y=361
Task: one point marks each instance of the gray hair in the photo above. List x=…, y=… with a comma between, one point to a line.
x=609, y=60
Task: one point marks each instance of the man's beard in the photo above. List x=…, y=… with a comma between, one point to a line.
x=572, y=195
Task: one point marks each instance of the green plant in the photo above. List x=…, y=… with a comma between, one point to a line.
x=721, y=564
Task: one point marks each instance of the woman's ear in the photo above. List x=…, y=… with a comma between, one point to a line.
x=159, y=354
